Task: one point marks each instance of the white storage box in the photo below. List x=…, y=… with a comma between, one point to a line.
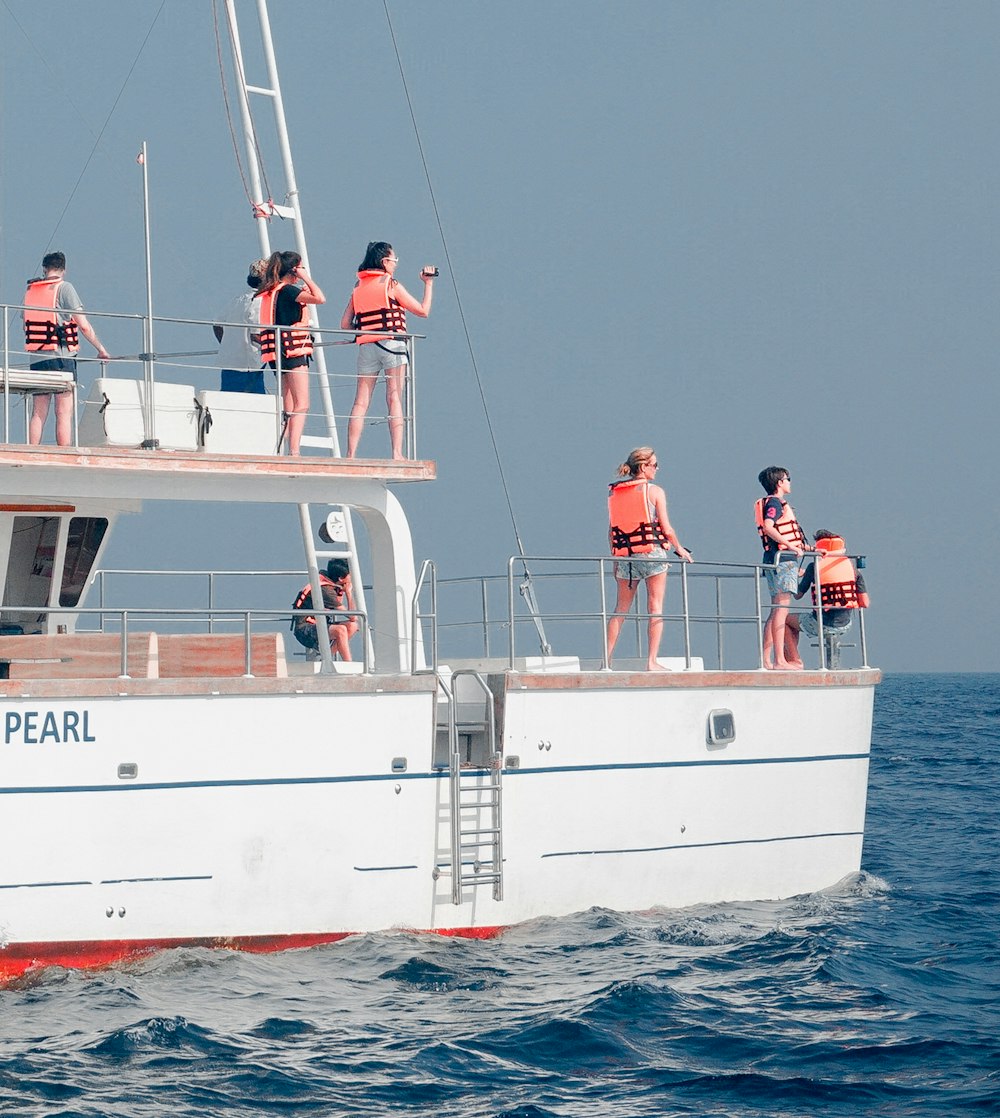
x=238, y=423
x=112, y=415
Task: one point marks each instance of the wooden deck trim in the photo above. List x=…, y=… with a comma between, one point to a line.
x=219, y=655
x=127, y=461
x=60, y=689
x=76, y=657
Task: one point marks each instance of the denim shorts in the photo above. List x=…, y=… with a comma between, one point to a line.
x=642, y=566
x=55, y=365
x=809, y=626
x=783, y=579
x=373, y=357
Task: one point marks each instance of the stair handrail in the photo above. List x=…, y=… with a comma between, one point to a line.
x=428, y=574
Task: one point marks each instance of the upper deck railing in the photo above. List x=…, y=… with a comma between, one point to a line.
x=714, y=617
x=186, y=357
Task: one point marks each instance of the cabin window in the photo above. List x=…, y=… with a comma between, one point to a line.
x=86, y=534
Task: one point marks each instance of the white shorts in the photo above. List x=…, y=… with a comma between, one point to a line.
x=373, y=357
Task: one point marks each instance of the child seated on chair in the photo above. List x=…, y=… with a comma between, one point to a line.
x=842, y=590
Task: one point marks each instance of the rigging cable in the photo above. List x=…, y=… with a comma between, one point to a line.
x=242, y=80
x=526, y=588
x=104, y=126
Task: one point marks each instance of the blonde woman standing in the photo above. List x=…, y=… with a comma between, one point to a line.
x=640, y=533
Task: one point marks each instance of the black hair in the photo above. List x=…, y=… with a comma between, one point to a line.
x=279, y=265
x=375, y=253
x=825, y=534
x=770, y=477
x=53, y=260
x=337, y=569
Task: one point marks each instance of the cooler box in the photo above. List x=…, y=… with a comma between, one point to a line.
x=238, y=423
x=112, y=415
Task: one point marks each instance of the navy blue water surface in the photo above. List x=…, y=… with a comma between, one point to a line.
x=879, y=997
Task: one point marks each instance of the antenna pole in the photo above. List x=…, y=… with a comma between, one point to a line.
x=150, y=442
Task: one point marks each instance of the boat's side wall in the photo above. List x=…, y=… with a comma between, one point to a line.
x=164, y=818
x=648, y=806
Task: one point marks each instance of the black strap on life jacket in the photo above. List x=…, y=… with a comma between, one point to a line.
x=50, y=334
x=645, y=533
x=381, y=320
x=839, y=595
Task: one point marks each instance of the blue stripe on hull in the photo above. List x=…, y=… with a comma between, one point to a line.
x=266, y=782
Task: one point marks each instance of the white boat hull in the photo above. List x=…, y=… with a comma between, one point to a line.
x=264, y=820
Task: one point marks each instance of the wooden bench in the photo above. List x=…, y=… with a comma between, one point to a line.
x=189, y=655
x=77, y=656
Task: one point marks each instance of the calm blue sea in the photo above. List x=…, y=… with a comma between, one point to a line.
x=877, y=998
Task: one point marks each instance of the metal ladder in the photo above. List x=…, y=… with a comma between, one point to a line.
x=343, y=537
x=475, y=803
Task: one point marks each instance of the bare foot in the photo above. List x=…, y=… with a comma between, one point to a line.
x=784, y=666
x=656, y=666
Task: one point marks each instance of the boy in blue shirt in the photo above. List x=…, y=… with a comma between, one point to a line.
x=781, y=535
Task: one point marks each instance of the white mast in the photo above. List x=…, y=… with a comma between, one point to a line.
x=263, y=211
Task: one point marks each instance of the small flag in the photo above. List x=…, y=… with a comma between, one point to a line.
x=140, y=159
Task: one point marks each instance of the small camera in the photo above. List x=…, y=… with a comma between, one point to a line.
x=338, y=588
x=430, y=273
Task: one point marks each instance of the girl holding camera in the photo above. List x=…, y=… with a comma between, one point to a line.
x=377, y=310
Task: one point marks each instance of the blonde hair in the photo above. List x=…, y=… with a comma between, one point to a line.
x=635, y=461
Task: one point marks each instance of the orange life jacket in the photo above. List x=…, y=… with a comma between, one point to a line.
x=632, y=529
x=304, y=595
x=375, y=308
x=296, y=340
x=787, y=526
x=43, y=332
x=838, y=582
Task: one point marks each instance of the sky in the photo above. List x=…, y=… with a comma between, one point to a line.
x=743, y=233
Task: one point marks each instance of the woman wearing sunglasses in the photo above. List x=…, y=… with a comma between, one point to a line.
x=640, y=534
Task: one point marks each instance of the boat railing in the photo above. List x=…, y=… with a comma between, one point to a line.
x=490, y=617
x=108, y=582
x=427, y=577
x=208, y=592
x=179, y=420
x=128, y=625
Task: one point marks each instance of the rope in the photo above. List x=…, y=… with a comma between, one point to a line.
x=242, y=79
x=104, y=126
x=454, y=282
x=526, y=589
